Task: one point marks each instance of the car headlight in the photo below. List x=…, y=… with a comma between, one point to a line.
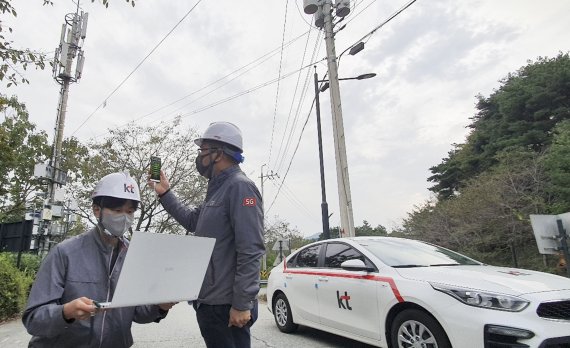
x=483, y=299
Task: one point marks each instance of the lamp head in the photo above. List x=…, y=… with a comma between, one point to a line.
x=366, y=76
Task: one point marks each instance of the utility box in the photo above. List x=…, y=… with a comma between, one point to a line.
x=45, y=171
x=56, y=211
x=46, y=214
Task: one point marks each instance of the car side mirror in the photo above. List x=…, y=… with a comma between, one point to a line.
x=355, y=265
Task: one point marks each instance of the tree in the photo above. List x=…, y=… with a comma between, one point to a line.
x=129, y=149
x=522, y=112
x=280, y=229
x=13, y=58
x=367, y=230
x=488, y=219
x=21, y=147
x=558, y=169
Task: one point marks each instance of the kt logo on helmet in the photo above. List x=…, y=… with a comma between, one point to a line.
x=130, y=188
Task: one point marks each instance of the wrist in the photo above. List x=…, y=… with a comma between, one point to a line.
x=69, y=321
x=165, y=192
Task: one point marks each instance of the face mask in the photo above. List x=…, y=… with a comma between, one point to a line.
x=116, y=225
x=205, y=171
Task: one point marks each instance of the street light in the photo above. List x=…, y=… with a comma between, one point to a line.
x=359, y=77
x=324, y=205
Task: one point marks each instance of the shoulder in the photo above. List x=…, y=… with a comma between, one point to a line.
x=74, y=243
x=242, y=185
x=240, y=179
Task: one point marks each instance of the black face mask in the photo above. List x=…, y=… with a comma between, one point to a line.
x=205, y=171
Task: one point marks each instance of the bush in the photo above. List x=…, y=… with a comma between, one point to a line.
x=29, y=263
x=14, y=287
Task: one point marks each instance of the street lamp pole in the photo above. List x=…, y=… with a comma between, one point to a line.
x=324, y=205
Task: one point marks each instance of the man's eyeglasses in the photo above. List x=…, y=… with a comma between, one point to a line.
x=206, y=150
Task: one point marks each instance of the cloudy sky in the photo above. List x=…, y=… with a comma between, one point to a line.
x=223, y=61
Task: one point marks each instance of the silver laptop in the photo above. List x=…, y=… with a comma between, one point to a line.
x=161, y=268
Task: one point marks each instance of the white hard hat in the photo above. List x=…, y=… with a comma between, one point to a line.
x=224, y=132
x=118, y=185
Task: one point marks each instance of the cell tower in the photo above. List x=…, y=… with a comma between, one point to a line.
x=67, y=68
x=73, y=34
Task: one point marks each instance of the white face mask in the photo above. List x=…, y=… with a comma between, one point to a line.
x=116, y=225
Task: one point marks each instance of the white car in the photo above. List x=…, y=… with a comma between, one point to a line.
x=402, y=293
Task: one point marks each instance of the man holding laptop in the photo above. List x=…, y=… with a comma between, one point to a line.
x=83, y=269
x=232, y=213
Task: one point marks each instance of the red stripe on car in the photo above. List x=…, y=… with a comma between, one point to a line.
x=354, y=276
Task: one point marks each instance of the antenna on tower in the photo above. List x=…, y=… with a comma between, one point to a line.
x=73, y=33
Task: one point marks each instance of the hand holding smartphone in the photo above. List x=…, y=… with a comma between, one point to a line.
x=155, y=167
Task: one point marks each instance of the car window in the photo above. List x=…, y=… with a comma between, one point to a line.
x=309, y=257
x=291, y=262
x=400, y=252
x=337, y=253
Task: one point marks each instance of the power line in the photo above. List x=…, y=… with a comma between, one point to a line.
x=278, y=83
x=294, y=96
x=294, y=153
x=237, y=95
x=301, y=100
x=290, y=195
x=359, y=13
x=260, y=60
x=381, y=25
x=245, y=92
x=104, y=103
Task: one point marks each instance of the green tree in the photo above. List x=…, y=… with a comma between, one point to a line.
x=522, y=112
x=558, y=169
x=367, y=230
x=13, y=58
x=488, y=220
x=21, y=147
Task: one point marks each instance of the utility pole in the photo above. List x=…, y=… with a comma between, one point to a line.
x=345, y=197
x=262, y=177
x=324, y=204
x=65, y=72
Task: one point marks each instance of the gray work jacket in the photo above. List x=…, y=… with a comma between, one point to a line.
x=75, y=268
x=233, y=214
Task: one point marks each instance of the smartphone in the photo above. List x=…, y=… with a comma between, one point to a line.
x=155, y=166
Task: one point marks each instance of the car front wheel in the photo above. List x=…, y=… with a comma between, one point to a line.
x=413, y=328
x=283, y=315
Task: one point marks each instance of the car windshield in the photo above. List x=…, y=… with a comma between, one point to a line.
x=406, y=253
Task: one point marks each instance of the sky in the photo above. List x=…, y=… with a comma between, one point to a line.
x=251, y=63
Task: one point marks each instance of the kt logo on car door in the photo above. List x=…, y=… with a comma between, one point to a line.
x=342, y=300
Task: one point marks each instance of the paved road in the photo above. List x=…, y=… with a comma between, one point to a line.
x=179, y=329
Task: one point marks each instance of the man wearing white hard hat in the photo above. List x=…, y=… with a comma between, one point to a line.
x=60, y=311
x=233, y=214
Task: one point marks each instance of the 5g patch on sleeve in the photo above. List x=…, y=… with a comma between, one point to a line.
x=249, y=202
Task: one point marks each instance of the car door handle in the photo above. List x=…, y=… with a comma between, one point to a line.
x=289, y=277
x=323, y=279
